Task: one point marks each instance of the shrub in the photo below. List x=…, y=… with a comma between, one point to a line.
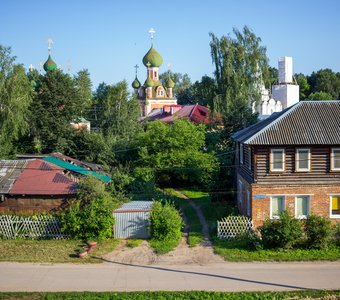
x=319, y=232
x=166, y=222
x=281, y=233
x=92, y=220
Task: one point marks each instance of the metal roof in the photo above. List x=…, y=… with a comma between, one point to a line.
x=9, y=172
x=77, y=169
x=305, y=123
x=135, y=206
x=40, y=178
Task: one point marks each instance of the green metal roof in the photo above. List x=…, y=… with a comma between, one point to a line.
x=77, y=169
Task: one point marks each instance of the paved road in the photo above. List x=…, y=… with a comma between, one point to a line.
x=111, y=276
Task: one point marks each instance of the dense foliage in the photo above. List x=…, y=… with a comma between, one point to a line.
x=318, y=231
x=165, y=222
x=281, y=233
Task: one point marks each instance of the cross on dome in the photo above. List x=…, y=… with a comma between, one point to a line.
x=152, y=32
x=49, y=43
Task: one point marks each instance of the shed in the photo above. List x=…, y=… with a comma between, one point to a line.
x=132, y=220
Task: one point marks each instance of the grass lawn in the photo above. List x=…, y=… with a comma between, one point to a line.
x=197, y=295
x=162, y=247
x=51, y=251
x=237, y=251
x=132, y=243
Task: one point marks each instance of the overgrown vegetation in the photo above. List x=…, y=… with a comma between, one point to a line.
x=166, y=225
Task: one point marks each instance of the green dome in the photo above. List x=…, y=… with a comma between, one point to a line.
x=170, y=83
x=50, y=65
x=152, y=57
x=149, y=82
x=136, y=84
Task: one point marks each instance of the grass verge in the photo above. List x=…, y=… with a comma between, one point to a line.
x=237, y=250
x=198, y=295
x=132, y=243
x=52, y=251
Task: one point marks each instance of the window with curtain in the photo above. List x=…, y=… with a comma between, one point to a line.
x=277, y=206
x=302, y=206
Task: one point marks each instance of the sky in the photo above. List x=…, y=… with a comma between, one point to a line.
x=110, y=37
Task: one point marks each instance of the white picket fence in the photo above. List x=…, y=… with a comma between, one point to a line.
x=233, y=226
x=40, y=226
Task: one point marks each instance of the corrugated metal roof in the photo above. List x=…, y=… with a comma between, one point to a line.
x=77, y=169
x=305, y=123
x=40, y=178
x=9, y=172
x=135, y=206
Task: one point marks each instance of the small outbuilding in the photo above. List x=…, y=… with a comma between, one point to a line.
x=132, y=220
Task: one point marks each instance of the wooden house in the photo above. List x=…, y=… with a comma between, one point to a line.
x=291, y=161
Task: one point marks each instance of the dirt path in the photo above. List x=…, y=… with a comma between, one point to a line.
x=202, y=254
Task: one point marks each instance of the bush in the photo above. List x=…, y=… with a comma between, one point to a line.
x=166, y=222
x=93, y=220
x=281, y=233
x=319, y=232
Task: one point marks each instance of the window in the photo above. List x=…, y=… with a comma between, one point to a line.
x=241, y=154
x=302, y=207
x=160, y=91
x=240, y=191
x=302, y=160
x=335, y=159
x=277, y=160
x=248, y=204
x=335, y=206
x=277, y=206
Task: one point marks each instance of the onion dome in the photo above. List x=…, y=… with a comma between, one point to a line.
x=136, y=84
x=170, y=83
x=50, y=65
x=149, y=82
x=153, y=58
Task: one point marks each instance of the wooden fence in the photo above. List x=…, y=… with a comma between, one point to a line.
x=33, y=227
x=233, y=226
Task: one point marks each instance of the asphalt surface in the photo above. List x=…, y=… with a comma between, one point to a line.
x=111, y=276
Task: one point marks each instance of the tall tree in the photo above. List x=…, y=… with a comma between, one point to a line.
x=240, y=65
x=204, y=91
x=304, y=86
x=84, y=86
x=182, y=89
x=325, y=80
x=15, y=98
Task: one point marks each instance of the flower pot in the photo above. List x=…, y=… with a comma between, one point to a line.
x=91, y=244
x=82, y=254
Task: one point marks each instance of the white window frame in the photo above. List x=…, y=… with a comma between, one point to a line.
x=270, y=205
x=330, y=207
x=297, y=160
x=248, y=204
x=240, y=192
x=333, y=168
x=308, y=207
x=241, y=153
x=271, y=162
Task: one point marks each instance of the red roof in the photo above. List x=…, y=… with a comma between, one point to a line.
x=197, y=114
x=40, y=178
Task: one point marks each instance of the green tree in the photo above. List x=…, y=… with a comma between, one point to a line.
x=54, y=107
x=84, y=87
x=325, y=80
x=204, y=91
x=320, y=96
x=240, y=65
x=15, y=98
x=303, y=85
x=176, y=152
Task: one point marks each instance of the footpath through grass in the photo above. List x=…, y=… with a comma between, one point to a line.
x=52, y=251
x=196, y=295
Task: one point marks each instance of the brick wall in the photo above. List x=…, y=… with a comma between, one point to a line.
x=319, y=200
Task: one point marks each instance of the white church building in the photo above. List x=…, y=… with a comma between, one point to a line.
x=284, y=94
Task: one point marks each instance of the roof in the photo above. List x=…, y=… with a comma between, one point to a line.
x=40, y=178
x=196, y=113
x=135, y=206
x=153, y=58
x=77, y=169
x=10, y=170
x=91, y=166
x=305, y=123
